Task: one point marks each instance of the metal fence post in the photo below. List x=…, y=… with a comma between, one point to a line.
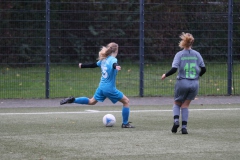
x=47, y=47
x=230, y=41
x=141, y=49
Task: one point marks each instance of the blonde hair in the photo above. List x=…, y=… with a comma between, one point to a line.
x=187, y=40
x=111, y=48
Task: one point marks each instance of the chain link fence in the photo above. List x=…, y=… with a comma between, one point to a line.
x=44, y=40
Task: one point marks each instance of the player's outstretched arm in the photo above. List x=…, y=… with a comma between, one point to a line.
x=169, y=73
x=163, y=76
x=89, y=65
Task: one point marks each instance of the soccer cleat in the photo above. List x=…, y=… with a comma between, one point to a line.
x=184, y=131
x=67, y=100
x=175, y=127
x=128, y=125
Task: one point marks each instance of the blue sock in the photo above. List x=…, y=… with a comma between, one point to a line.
x=125, y=114
x=176, y=112
x=81, y=100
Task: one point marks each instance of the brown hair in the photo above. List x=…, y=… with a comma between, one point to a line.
x=111, y=48
x=187, y=40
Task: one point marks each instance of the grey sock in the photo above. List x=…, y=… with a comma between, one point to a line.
x=176, y=112
x=185, y=113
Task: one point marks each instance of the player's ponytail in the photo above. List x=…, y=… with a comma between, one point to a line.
x=186, y=40
x=111, y=48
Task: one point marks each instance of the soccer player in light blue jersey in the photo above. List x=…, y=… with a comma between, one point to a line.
x=190, y=66
x=107, y=61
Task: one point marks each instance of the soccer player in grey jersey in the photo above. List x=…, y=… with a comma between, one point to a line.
x=190, y=66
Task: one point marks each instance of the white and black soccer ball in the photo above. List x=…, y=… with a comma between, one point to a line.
x=109, y=120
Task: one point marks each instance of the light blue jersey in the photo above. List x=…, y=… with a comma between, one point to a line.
x=108, y=78
x=107, y=86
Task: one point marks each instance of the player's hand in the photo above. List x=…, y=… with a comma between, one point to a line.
x=118, y=68
x=80, y=64
x=163, y=76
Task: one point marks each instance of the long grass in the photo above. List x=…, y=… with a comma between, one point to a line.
x=66, y=80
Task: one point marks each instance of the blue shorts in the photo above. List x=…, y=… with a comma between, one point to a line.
x=114, y=95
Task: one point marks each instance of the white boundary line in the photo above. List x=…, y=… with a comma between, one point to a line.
x=96, y=111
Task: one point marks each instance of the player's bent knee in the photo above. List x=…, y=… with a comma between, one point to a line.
x=92, y=101
x=125, y=101
x=184, y=106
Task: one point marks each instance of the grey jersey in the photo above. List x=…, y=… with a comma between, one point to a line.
x=188, y=63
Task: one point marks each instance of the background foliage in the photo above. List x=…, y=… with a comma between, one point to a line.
x=79, y=28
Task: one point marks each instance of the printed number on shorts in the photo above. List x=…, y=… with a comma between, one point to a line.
x=190, y=70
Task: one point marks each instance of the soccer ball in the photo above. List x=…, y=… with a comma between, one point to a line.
x=109, y=120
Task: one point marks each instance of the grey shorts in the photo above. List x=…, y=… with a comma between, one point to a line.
x=186, y=90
